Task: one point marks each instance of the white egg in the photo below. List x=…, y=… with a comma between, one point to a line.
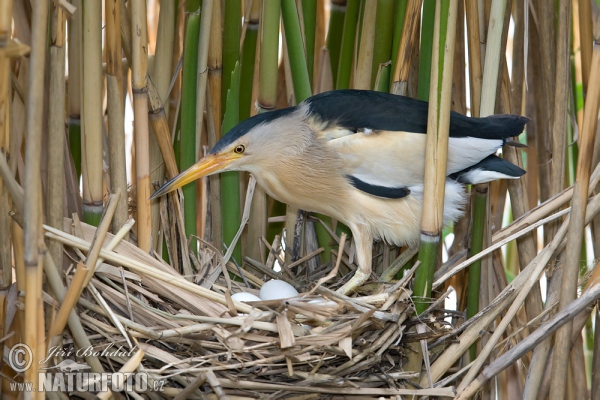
x=243, y=296
x=276, y=289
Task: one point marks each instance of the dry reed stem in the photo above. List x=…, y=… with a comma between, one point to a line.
x=69, y=301
x=475, y=60
x=144, y=269
x=92, y=111
x=160, y=71
x=407, y=43
x=141, y=133
x=546, y=329
x=115, y=111
x=214, y=117
x=56, y=127
x=34, y=255
x=364, y=64
x=568, y=291
x=100, y=234
x=158, y=119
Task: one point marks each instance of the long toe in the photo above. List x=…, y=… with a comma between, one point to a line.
x=358, y=279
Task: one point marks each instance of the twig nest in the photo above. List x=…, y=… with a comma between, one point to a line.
x=276, y=290
x=245, y=297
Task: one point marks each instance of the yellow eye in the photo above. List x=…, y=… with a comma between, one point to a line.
x=239, y=149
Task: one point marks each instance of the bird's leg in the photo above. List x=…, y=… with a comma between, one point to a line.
x=364, y=249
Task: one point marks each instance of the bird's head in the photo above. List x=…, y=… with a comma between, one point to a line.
x=247, y=147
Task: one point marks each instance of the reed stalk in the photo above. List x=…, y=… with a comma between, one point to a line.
x=346, y=57
x=425, y=52
x=399, y=19
x=230, y=181
x=407, y=42
x=214, y=117
x=75, y=26
x=309, y=24
x=187, y=141
x=475, y=60
x=562, y=95
x=160, y=71
x=436, y=149
x=248, y=60
x=382, y=50
x=92, y=113
x=364, y=61
x=230, y=92
x=266, y=100
x=116, y=111
x=201, y=91
x=139, y=70
x=32, y=213
x=56, y=127
x=568, y=289
x=489, y=86
x=334, y=34
x=232, y=20
x=6, y=275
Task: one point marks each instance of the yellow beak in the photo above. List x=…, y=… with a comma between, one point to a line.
x=209, y=165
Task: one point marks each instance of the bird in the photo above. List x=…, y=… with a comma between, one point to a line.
x=359, y=157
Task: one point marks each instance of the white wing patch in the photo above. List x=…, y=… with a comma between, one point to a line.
x=397, y=159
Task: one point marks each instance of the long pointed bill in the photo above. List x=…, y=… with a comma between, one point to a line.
x=209, y=165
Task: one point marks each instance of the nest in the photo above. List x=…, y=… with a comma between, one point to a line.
x=194, y=342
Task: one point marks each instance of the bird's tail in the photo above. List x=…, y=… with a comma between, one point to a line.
x=488, y=169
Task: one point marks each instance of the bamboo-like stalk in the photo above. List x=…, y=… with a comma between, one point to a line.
x=399, y=19
x=568, y=291
x=92, y=112
x=187, y=141
x=215, y=71
x=160, y=72
x=436, y=149
x=475, y=70
x=248, y=60
x=407, y=42
x=32, y=215
x=139, y=69
x=425, y=52
x=562, y=95
x=291, y=24
x=267, y=68
x=56, y=126
x=587, y=37
x=6, y=275
x=382, y=50
x=201, y=91
x=116, y=111
x=230, y=181
x=158, y=120
x=346, y=57
x=364, y=61
x=232, y=20
x=309, y=24
x=334, y=34
x=75, y=25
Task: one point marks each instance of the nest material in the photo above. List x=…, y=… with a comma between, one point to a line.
x=198, y=342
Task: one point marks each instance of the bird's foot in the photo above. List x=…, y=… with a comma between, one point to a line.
x=358, y=279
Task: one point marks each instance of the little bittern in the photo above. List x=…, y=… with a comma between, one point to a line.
x=359, y=156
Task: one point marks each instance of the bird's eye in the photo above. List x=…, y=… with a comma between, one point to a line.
x=239, y=149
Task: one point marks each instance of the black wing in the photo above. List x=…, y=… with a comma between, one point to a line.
x=359, y=109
